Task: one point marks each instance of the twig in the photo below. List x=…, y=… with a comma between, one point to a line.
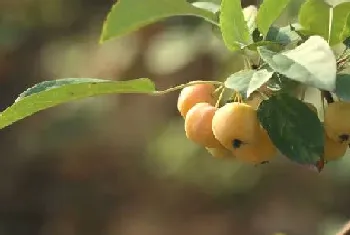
x=161, y=92
x=328, y=96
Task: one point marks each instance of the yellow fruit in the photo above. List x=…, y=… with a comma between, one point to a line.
x=337, y=121
x=237, y=128
x=333, y=150
x=189, y=96
x=220, y=152
x=257, y=152
x=198, y=125
x=234, y=124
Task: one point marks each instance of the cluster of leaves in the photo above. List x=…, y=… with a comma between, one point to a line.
x=296, y=55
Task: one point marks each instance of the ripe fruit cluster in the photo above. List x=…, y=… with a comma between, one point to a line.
x=234, y=131
x=231, y=131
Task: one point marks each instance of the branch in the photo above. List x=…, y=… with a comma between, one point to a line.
x=328, y=96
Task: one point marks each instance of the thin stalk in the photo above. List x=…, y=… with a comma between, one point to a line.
x=179, y=87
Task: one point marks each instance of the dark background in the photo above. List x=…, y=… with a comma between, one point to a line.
x=120, y=164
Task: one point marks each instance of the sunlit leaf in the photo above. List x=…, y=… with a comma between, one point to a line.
x=312, y=63
x=314, y=16
x=268, y=13
x=247, y=81
x=52, y=93
x=258, y=79
x=129, y=15
x=209, y=6
x=239, y=81
x=234, y=28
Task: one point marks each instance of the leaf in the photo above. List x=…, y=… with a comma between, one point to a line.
x=283, y=35
x=278, y=37
x=239, y=81
x=346, y=30
x=258, y=79
x=47, y=85
x=341, y=23
x=234, y=29
x=268, y=13
x=129, y=15
x=343, y=86
x=312, y=63
x=314, y=16
x=209, y=6
x=247, y=81
x=52, y=93
x=293, y=128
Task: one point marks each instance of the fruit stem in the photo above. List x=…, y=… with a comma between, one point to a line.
x=179, y=87
x=238, y=97
x=217, y=90
x=261, y=64
x=247, y=64
x=302, y=93
x=263, y=95
x=322, y=102
x=220, y=97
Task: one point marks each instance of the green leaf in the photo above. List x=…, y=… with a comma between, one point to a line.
x=312, y=63
x=276, y=38
x=234, y=29
x=209, y=6
x=247, y=81
x=47, y=85
x=314, y=16
x=239, y=81
x=258, y=79
x=346, y=31
x=268, y=13
x=52, y=93
x=343, y=86
x=293, y=128
x=283, y=35
x=341, y=23
x=129, y=15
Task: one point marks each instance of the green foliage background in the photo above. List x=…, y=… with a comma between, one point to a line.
x=121, y=164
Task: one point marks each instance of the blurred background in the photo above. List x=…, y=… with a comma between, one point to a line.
x=121, y=164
